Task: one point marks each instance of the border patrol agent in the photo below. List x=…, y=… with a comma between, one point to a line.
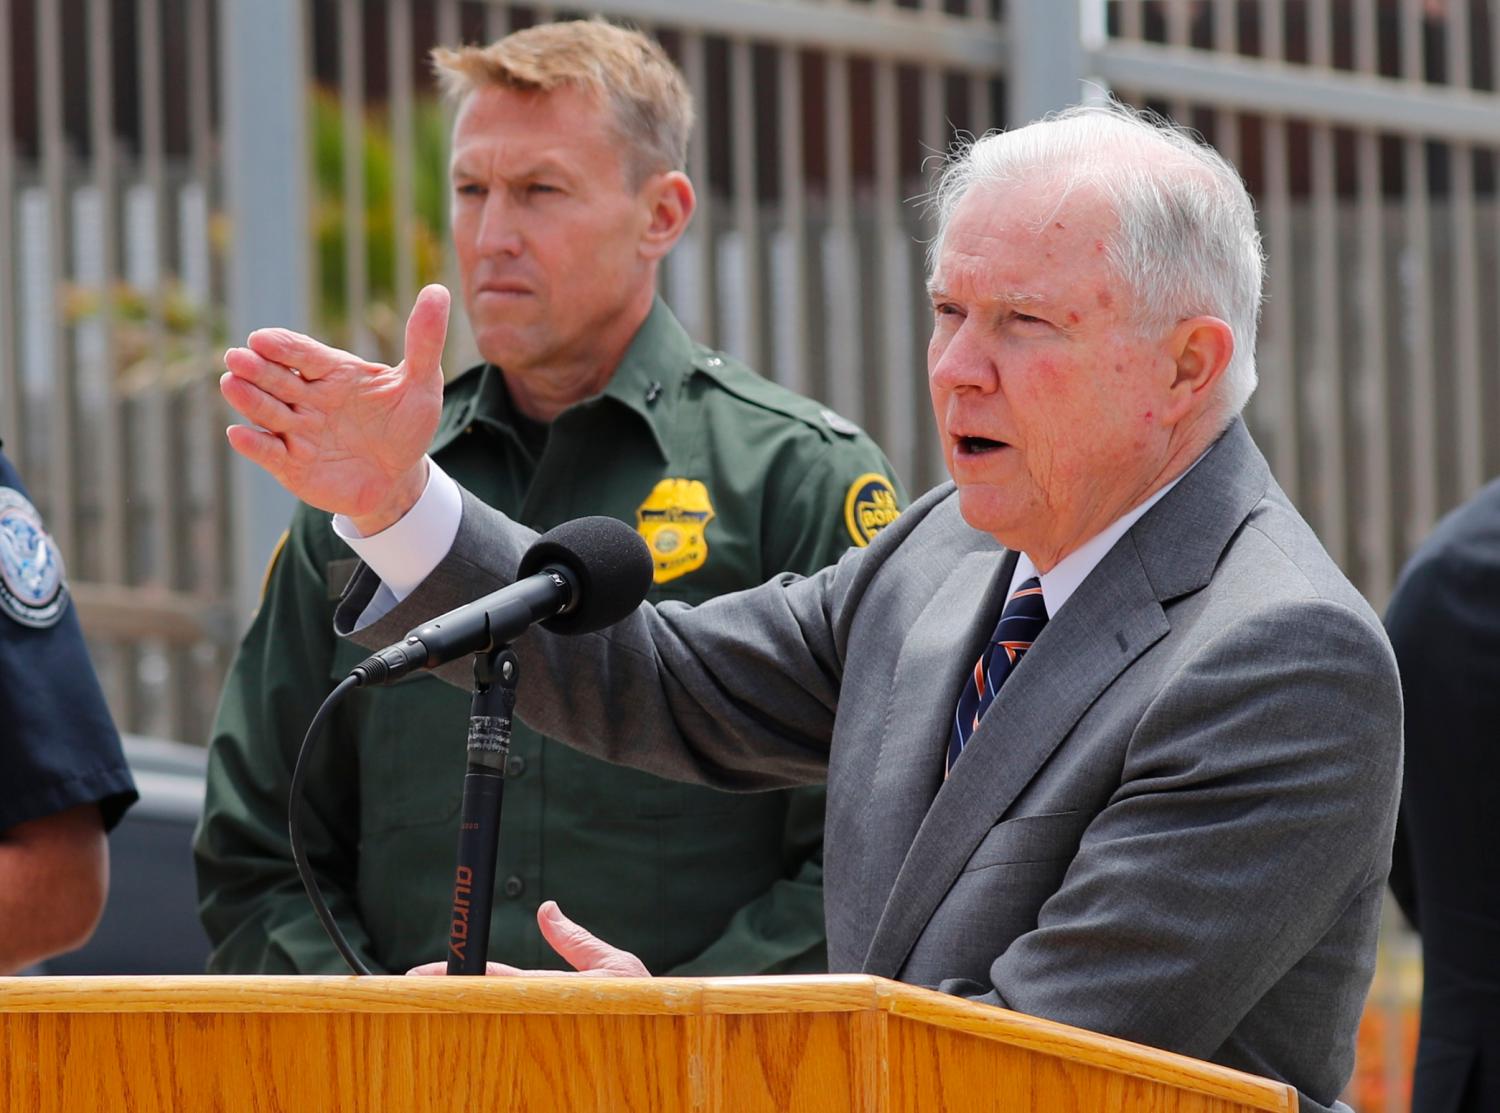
x=731, y=480
x=63, y=778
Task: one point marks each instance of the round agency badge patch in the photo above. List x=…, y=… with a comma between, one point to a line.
x=32, y=589
x=869, y=507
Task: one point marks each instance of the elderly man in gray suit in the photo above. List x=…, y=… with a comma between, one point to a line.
x=1108, y=737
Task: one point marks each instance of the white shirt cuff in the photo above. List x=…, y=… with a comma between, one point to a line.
x=405, y=552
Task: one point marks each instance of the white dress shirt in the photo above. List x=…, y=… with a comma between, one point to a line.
x=405, y=553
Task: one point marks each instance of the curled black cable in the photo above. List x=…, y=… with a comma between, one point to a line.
x=294, y=828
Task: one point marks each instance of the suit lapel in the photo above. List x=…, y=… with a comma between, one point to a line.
x=1112, y=618
x=1115, y=615
x=935, y=658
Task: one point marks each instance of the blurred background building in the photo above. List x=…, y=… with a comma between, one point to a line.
x=174, y=173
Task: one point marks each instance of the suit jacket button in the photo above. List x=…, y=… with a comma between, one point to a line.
x=514, y=886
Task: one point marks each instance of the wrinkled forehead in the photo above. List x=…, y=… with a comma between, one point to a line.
x=1037, y=225
x=499, y=111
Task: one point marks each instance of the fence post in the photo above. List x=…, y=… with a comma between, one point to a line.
x=1050, y=45
x=263, y=66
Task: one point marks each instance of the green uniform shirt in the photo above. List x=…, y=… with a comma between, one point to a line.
x=732, y=480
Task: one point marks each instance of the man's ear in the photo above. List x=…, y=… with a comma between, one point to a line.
x=670, y=201
x=1200, y=349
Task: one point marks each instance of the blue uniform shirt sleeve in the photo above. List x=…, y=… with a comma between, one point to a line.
x=58, y=745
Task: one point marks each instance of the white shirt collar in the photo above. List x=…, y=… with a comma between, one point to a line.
x=1066, y=576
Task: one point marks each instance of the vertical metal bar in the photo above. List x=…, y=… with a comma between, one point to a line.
x=450, y=33
x=61, y=475
x=1468, y=394
x=695, y=68
x=898, y=398
x=449, y=27
x=1132, y=27
x=269, y=273
x=790, y=287
x=118, y=665
x=1046, y=64
x=746, y=202
x=1179, y=29
x=1226, y=43
x=1423, y=503
x=1279, y=337
x=1273, y=31
x=165, y=466
x=12, y=415
x=351, y=104
x=1376, y=521
x=844, y=343
x=398, y=68
x=112, y=451
x=496, y=20
x=165, y=439
x=981, y=113
x=211, y=564
x=1326, y=381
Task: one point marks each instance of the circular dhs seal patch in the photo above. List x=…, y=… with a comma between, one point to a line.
x=32, y=590
x=869, y=507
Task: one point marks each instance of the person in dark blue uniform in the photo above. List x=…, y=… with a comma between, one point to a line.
x=63, y=778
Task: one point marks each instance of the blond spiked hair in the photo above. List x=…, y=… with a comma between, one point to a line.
x=650, y=101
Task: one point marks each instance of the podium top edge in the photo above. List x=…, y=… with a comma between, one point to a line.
x=193, y=993
x=669, y=997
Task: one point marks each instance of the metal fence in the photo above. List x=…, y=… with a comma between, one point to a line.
x=109, y=294
x=1368, y=132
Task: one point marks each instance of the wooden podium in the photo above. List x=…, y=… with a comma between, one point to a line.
x=714, y=1045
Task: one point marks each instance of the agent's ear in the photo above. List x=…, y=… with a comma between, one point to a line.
x=1200, y=349
x=670, y=201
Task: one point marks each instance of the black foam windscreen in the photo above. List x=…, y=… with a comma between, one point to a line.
x=609, y=560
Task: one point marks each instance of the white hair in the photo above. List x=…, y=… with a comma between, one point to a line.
x=1186, y=244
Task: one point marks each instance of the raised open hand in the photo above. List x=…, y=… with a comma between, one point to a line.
x=340, y=433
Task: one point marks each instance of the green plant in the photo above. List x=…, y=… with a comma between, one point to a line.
x=380, y=316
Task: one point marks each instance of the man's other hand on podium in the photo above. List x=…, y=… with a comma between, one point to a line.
x=589, y=955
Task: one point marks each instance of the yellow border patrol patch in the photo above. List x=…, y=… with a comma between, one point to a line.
x=265, y=577
x=672, y=520
x=869, y=507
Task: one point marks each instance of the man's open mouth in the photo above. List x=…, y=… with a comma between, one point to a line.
x=977, y=445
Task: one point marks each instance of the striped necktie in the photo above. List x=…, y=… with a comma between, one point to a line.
x=1021, y=620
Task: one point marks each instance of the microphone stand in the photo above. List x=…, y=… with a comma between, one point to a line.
x=495, y=674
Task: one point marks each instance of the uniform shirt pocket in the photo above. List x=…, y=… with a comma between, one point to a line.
x=410, y=739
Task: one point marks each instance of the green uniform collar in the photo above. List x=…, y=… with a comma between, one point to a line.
x=648, y=382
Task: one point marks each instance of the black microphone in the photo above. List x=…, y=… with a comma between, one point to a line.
x=581, y=576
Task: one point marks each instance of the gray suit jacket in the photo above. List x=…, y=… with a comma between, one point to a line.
x=1174, y=824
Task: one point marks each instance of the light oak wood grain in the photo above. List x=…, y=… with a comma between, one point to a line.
x=416, y=1045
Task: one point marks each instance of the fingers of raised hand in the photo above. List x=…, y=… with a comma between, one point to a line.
x=265, y=450
x=586, y=952
x=276, y=379
x=258, y=407
x=312, y=358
